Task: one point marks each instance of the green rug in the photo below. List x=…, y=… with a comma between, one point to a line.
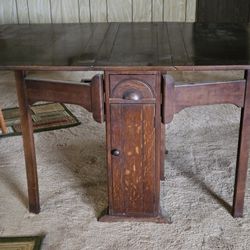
x=21, y=243
x=45, y=117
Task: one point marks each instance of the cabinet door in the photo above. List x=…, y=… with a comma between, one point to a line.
x=133, y=159
x=133, y=123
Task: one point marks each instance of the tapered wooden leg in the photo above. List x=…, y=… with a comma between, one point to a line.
x=28, y=143
x=163, y=151
x=2, y=123
x=242, y=157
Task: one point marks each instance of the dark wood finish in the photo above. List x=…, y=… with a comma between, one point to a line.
x=209, y=93
x=135, y=44
x=97, y=98
x=89, y=54
x=232, y=11
x=58, y=91
x=243, y=152
x=107, y=45
x=178, y=97
x=121, y=85
x=179, y=53
x=33, y=90
x=168, y=99
x=88, y=96
x=125, y=46
x=206, y=10
x=164, y=50
x=2, y=123
x=28, y=143
x=133, y=130
x=163, y=152
x=137, y=101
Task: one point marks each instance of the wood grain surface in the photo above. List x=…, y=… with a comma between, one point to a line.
x=175, y=10
x=64, y=11
x=142, y=10
x=23, y=11
x=8, y=11
x=243, y=154
x=157, y=10
x=155, y=46
x=119, y=10
x=98, y=10
x=231, y=11
x=84, y=11
x=39, y=11
x=132, y=125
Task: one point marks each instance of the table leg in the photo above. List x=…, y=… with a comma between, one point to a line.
x=28, y=143
x=242, y=157
x=2, y=123
x=163, y=150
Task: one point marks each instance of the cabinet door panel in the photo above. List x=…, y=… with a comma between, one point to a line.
x=133, y=171
x=132, y=149
x=149, y=157
x=117, y=163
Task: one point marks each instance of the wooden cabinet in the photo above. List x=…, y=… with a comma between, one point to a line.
x=133, y=143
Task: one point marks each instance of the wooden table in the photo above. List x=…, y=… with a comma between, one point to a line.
x=135, y=96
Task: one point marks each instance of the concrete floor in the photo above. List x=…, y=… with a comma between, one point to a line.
x=197, y=193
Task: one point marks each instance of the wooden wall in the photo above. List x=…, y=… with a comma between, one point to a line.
x=223, y=11
x=73, y=11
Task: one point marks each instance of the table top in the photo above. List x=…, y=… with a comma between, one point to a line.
x=141, y=46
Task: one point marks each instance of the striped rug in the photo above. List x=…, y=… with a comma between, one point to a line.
x=21, y=243
x=45, y=117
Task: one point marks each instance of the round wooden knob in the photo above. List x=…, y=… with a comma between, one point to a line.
x=115, y=152
x=132, y=95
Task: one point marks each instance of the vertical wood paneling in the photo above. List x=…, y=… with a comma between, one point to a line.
x=8, y=11
x=39, y=11
x=74, y=11
x=23, y=11
x=157, y=11
x=119, y=10
x=191, y=10
x=175, y=10
x=142, y=10
x=98, y=10
x=231, y=11
x=207, y=11
x=84, y=11
x=64, y=11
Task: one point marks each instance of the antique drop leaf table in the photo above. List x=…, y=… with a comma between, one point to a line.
x=135, y=96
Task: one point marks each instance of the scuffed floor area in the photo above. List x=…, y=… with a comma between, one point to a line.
x=196, y=194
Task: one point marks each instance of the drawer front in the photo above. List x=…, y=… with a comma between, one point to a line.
x=133, y=88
